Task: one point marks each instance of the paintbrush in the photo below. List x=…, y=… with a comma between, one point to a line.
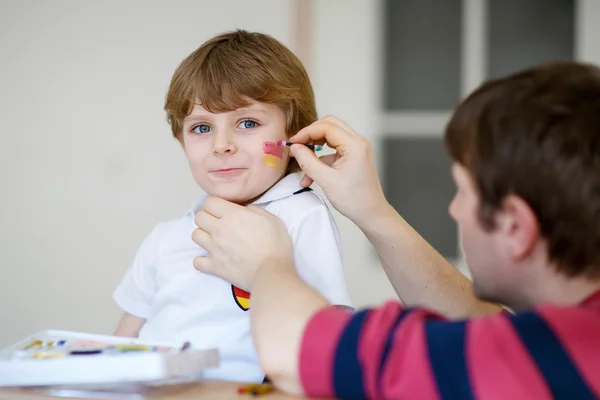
x=314, y=147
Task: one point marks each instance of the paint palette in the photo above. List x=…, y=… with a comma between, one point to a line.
x=72, y=359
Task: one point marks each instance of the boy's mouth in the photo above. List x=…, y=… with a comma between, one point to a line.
x=227, y=172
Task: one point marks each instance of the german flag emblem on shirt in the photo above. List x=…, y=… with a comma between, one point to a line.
x=241, y=297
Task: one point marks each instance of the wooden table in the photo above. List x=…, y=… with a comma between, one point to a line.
x=202, y=390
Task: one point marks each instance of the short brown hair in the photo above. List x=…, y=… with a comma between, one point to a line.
x=536, y=134
x=231, y=69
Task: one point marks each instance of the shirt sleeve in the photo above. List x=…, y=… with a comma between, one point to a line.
x=318, y=255
x=395, y=353
x=135, y=293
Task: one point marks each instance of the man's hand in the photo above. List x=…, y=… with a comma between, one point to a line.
x=240, y=240
x=348, y=177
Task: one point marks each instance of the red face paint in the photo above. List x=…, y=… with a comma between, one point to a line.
x=274, y=150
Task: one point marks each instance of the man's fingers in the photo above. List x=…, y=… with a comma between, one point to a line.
x=206, y=221
x=306, y=181
x=218, y=207
x=203, y=264
x=202, y=239
x=338, y=122
x=310, y=163
x=328, y=159
x=333, y=135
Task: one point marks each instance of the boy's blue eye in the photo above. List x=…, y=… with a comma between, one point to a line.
x=248, y=124
x=202, y=128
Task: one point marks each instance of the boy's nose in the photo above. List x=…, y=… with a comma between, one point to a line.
x=224, y=144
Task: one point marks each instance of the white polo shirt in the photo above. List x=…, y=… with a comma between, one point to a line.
x=181, y=304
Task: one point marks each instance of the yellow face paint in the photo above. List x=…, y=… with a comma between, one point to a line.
x=272, y=161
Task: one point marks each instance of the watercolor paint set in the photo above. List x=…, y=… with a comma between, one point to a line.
x=63, y=359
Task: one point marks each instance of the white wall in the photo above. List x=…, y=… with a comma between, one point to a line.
x=587, y=31
x=87, y=163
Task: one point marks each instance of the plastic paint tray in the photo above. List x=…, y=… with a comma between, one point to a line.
x=65, y=359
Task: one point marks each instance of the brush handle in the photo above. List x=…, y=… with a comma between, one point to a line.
x=313, y=147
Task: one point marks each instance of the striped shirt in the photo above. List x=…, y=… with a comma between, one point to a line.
x=395, y=353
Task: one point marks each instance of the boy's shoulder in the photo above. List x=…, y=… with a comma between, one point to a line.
x=302, y=199
x=300, y=205
x=173, y=232
x=288, y=198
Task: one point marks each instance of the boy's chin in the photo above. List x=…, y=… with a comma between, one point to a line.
x=244, y=198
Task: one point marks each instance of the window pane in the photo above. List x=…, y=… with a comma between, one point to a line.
x=523, y=33
x=422, y=54
x=418, y=185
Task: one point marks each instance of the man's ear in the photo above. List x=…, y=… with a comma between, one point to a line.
x=519, y=226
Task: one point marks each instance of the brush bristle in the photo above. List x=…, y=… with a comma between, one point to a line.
x=281, y=143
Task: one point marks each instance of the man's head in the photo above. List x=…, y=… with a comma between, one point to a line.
x=527, y=167
x=226, y=99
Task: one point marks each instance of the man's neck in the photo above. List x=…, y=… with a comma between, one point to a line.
x=559, y=290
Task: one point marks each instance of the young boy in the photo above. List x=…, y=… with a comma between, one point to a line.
x=228, y=104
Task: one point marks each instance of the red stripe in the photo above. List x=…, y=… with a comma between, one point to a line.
x=317, y=351
x=500, y=366
x=372, y=342
x=578, y=330
x=407, y=373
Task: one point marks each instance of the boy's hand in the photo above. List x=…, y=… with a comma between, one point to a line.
x=240, y=240
x=349, y=177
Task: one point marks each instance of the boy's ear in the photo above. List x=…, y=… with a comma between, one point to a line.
x=293, y=166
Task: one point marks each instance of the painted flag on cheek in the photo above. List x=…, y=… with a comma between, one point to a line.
x=273, y=154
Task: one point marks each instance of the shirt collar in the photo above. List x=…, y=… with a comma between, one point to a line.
x=285, y=187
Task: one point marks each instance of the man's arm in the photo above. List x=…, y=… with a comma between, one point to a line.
x=307, y=347
x=282, y=305
x=419, y=274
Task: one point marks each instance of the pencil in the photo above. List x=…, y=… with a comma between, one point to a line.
x=256, y=389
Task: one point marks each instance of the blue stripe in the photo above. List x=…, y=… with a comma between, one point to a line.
x=388, y=342
x=552, y=360
x=347, y=370
x=446, y=347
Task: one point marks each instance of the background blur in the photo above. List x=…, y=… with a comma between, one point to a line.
x=88, y=164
